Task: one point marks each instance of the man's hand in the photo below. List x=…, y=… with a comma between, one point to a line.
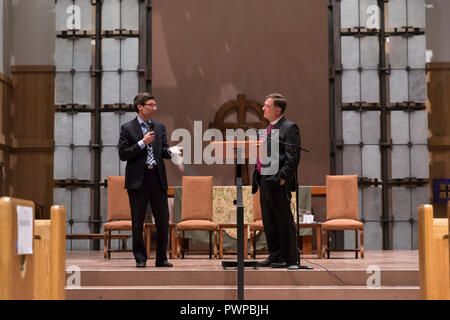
x=149, y=137
x=176, y=150
x=282, y=181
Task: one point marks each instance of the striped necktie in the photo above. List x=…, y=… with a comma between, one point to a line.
x=150, y=157
x=259, y=164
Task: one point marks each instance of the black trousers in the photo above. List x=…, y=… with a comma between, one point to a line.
x=150, y=191
x=278, y=222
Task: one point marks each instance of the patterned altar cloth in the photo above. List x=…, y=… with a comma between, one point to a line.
x=224, y=211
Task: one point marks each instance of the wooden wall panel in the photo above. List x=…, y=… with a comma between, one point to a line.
x=5, y=104
x=439, y=125
x=30, y=169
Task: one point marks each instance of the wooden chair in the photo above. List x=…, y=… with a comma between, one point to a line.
x=256, y=225
x=433, y=255
x=119, y=214
x=342, y=211
x=197, y=211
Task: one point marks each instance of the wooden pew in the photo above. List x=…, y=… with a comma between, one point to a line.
x=16, y=271
x=50, y=256
x=39, y=274
x=433, y=255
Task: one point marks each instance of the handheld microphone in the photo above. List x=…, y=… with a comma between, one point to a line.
x=151, y=126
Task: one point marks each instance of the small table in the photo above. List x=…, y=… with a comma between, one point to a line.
x=227, y=226
x=317, y=228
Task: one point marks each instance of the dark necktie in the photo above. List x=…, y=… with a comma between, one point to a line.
x=150, y=157
x=259, y=164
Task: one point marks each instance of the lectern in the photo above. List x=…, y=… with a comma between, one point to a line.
x=235, y=150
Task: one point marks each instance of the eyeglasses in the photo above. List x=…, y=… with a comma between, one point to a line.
x=153, y=105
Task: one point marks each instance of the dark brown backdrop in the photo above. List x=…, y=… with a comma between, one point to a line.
x=206, y=52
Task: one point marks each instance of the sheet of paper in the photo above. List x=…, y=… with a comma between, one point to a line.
x=176, y=150
x=25, y=230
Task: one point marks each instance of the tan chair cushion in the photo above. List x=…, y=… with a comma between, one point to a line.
x=117, y=225
x=197, y=225
x=118, y=203
x=197, y=198
x=342, y=224
x=256, y=226
x=342, y=197
x=256, y=207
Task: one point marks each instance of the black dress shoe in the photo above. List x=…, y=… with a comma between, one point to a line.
x=293, y=266
x=141, y=264
x=265, y=263
x=278, y=265
x=163, y=264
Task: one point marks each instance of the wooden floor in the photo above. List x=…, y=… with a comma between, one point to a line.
x=386, y=260
x=197, y=277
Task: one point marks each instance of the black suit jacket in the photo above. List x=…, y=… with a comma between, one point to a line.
x=129, y=151
x=289, y=157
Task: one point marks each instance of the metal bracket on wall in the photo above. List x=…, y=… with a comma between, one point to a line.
x=385, y=145
x=361, y=106
x=76, y=183
x=409, y=182
x=407, y=106
x=94, y=221
x=72, y=183
x=369, y=182
x=95, y=146
x=336, y=144
x=146, y=71
x=405, y=31
x=333, y=70
x=94, y=71
x=385, y=71
x=120, y=34
x=118, y=107
x=359, y=32
x=74, y=34
x=73, y=108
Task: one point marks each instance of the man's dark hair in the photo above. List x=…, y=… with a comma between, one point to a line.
x=278, y=101
x=141, y=98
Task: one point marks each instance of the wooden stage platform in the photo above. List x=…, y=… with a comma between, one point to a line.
x=200, y=278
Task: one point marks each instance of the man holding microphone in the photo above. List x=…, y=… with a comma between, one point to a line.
x=143, y=145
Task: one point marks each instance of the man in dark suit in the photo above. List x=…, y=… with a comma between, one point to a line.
x=275, y=188
x=143, y=144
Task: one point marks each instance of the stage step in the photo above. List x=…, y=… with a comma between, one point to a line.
x=199, y=292
x=199, y=278
x=262, y=277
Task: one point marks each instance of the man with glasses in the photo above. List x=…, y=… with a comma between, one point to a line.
x=143, y=145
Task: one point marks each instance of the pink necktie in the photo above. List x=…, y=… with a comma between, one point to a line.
x=259, y=164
